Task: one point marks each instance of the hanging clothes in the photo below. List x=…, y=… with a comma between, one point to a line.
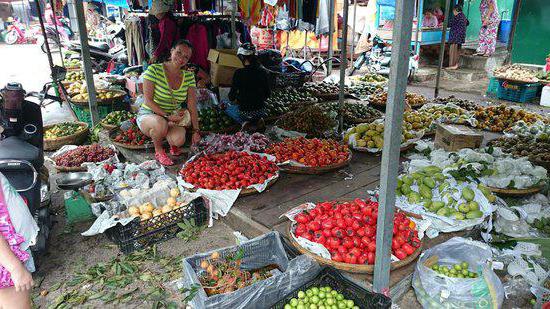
x=309, y=11
x=250, y=11
x=169, y=34
x=322, y=26
x=134, y=41
x=197, y=35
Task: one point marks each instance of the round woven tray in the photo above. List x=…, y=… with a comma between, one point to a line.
x=515, y=192
x=65, y=169
x=352, y=268
x=133, y=147
x=119, y=96
x=74, y=139
x=252, y=191
x=309, y=170
x=402, y=149
x=109, y=127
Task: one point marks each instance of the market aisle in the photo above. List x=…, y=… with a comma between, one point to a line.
x=26, y=64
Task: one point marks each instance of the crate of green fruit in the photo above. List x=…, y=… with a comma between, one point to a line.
x=329, y=289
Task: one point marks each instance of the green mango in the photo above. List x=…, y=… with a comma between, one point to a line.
x=425, y=191
x=407, y=180
x=464, y=208
x=468, y=194
x=442, y=211
x=443, y=187
x=427, y=205
x=450, y=211
x=432, y=169
x=439, y=177
x=414, y=198
x=429, y=182
x=484, y=190
x=458, y=216
x=417, y=176
x=399, y=183
x=436, y=205
x=406, y=189
x=474, y=214
x=473, y=205
x=492, y=198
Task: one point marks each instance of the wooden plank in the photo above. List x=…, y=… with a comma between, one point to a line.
x=270, y=216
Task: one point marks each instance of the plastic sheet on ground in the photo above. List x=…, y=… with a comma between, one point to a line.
x=437, y=291
x=258, y=252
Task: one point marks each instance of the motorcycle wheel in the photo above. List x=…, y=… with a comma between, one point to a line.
x=11, y=37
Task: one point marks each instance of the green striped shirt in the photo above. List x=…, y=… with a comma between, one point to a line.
x=168, y=100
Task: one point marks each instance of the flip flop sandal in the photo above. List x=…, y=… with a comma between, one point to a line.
x=163, y=159
x=176, y=151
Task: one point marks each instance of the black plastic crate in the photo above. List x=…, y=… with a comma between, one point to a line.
x=139, y=234
x=329, y=276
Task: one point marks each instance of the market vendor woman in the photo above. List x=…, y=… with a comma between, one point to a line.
x=170, y=106
x=249, y=91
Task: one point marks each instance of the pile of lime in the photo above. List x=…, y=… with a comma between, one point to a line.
x=320, y=298
x=459, y=270
x=214, y=120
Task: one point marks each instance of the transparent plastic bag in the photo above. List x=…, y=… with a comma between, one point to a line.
x=258, y=252
x=437, y=291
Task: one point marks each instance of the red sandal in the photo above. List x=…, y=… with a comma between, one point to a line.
x=163, y=159
x=175, y=151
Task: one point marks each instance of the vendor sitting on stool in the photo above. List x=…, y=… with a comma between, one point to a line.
x=249, y=91
x=165, y=114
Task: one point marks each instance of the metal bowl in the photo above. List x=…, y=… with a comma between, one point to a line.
x=73, y=181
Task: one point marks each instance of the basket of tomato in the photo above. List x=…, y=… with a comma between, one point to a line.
x=130, y=137
x=232, y=170
x=310, y=156
x=343, y=235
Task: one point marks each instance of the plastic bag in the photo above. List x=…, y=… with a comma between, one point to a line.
x=437, y=291
x=258, y=252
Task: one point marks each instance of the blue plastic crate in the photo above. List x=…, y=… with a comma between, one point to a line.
x=516, y=92
x=492, y=88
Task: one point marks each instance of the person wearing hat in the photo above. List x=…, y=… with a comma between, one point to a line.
x=249, y=91
x=168, y=30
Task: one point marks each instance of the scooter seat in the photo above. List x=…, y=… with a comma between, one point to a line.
x=103, y=47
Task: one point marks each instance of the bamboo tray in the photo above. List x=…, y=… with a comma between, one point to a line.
x=127, y=146
x=119, y=95
x=252, y=191
x=352, y=268
x=76, y=138
x=310, y=170
x=66, y=169
x=515, y=192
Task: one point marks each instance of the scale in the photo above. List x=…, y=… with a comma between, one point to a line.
x=77, y=209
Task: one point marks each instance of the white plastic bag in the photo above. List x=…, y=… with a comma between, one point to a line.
x=437, y=291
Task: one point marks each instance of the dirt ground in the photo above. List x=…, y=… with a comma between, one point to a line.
x=91, y=272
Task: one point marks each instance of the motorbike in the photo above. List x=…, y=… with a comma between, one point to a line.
x=22, y=157
x=378, y=59
x=16, y=33
x=56, y=38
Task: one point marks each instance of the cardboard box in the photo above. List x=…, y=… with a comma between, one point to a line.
x=134, y=87
x=223, y=64
x=455, y=137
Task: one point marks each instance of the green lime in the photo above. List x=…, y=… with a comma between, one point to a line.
x=458, y=267
x=315, y=299
x=465, y=272
x=301, y=306
x=287, y=306
x=294, y=302
x=315, y=290
x=313, y=306
x=340, y=297
x=350, y=303
x=342, y=305
x=330, y=301
x=464, y=265
x=301, y=294
x=322, y=294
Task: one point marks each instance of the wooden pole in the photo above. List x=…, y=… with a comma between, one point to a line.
x=442, y=48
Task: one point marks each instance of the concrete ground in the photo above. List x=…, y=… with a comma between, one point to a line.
x=26, y=64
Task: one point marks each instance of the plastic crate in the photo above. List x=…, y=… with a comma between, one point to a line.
x=517, y=92
x=139, y=234
x=492, y=88
x=77, y=209
x=83, y=112
x=329, y=276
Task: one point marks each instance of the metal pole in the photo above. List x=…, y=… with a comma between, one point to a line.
x=343, y=66
x=57, y=34
x=305, y=47
x=353, y=29
x=401, y=39
x=47, y=45
x=442, y=47
x=85, y=54
x=332, y=3
x=233, y=26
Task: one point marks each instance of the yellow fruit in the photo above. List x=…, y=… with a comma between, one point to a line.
x=134, y=211
x=171, y=202
x=147, y=207
x=174, y=192
x=146, y=216
x=157, y=212
x=166, y=208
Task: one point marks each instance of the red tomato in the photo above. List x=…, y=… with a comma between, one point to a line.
x=400, y=254
x=370, y=258
x=348, y=243
x=337, y=257
x=408, y=249
x=302, y=218
x=362, y=259
x=314, y=225
x=338, y=232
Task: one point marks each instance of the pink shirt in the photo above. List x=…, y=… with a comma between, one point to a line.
x=430, y=22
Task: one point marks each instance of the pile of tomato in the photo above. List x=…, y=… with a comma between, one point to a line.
x=310, y=152
x=132, y=135
x=348, y=231
x=228, y=171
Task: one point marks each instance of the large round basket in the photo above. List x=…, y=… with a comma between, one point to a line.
x=65, y=169
x=515, y=192
x=252, y=191
x=352, y=268
x=112, y=135
x=118, y=95
x=326, y=96
x=74, y=139
x=109, y=127
x=310, y=170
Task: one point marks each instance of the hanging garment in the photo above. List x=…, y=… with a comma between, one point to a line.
x=251, y=11
x=168, y=35
x=134, y=41
x=197, y=35
x=309, y=11
x=322, y=26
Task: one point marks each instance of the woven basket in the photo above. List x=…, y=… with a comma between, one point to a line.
x=515, y=192
x=252, y=191
x=109, y=127
x=352, y=268
x=65, y=169
x=112, y=135
x=73, y=139
x=119, y=96
x=310, y=170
